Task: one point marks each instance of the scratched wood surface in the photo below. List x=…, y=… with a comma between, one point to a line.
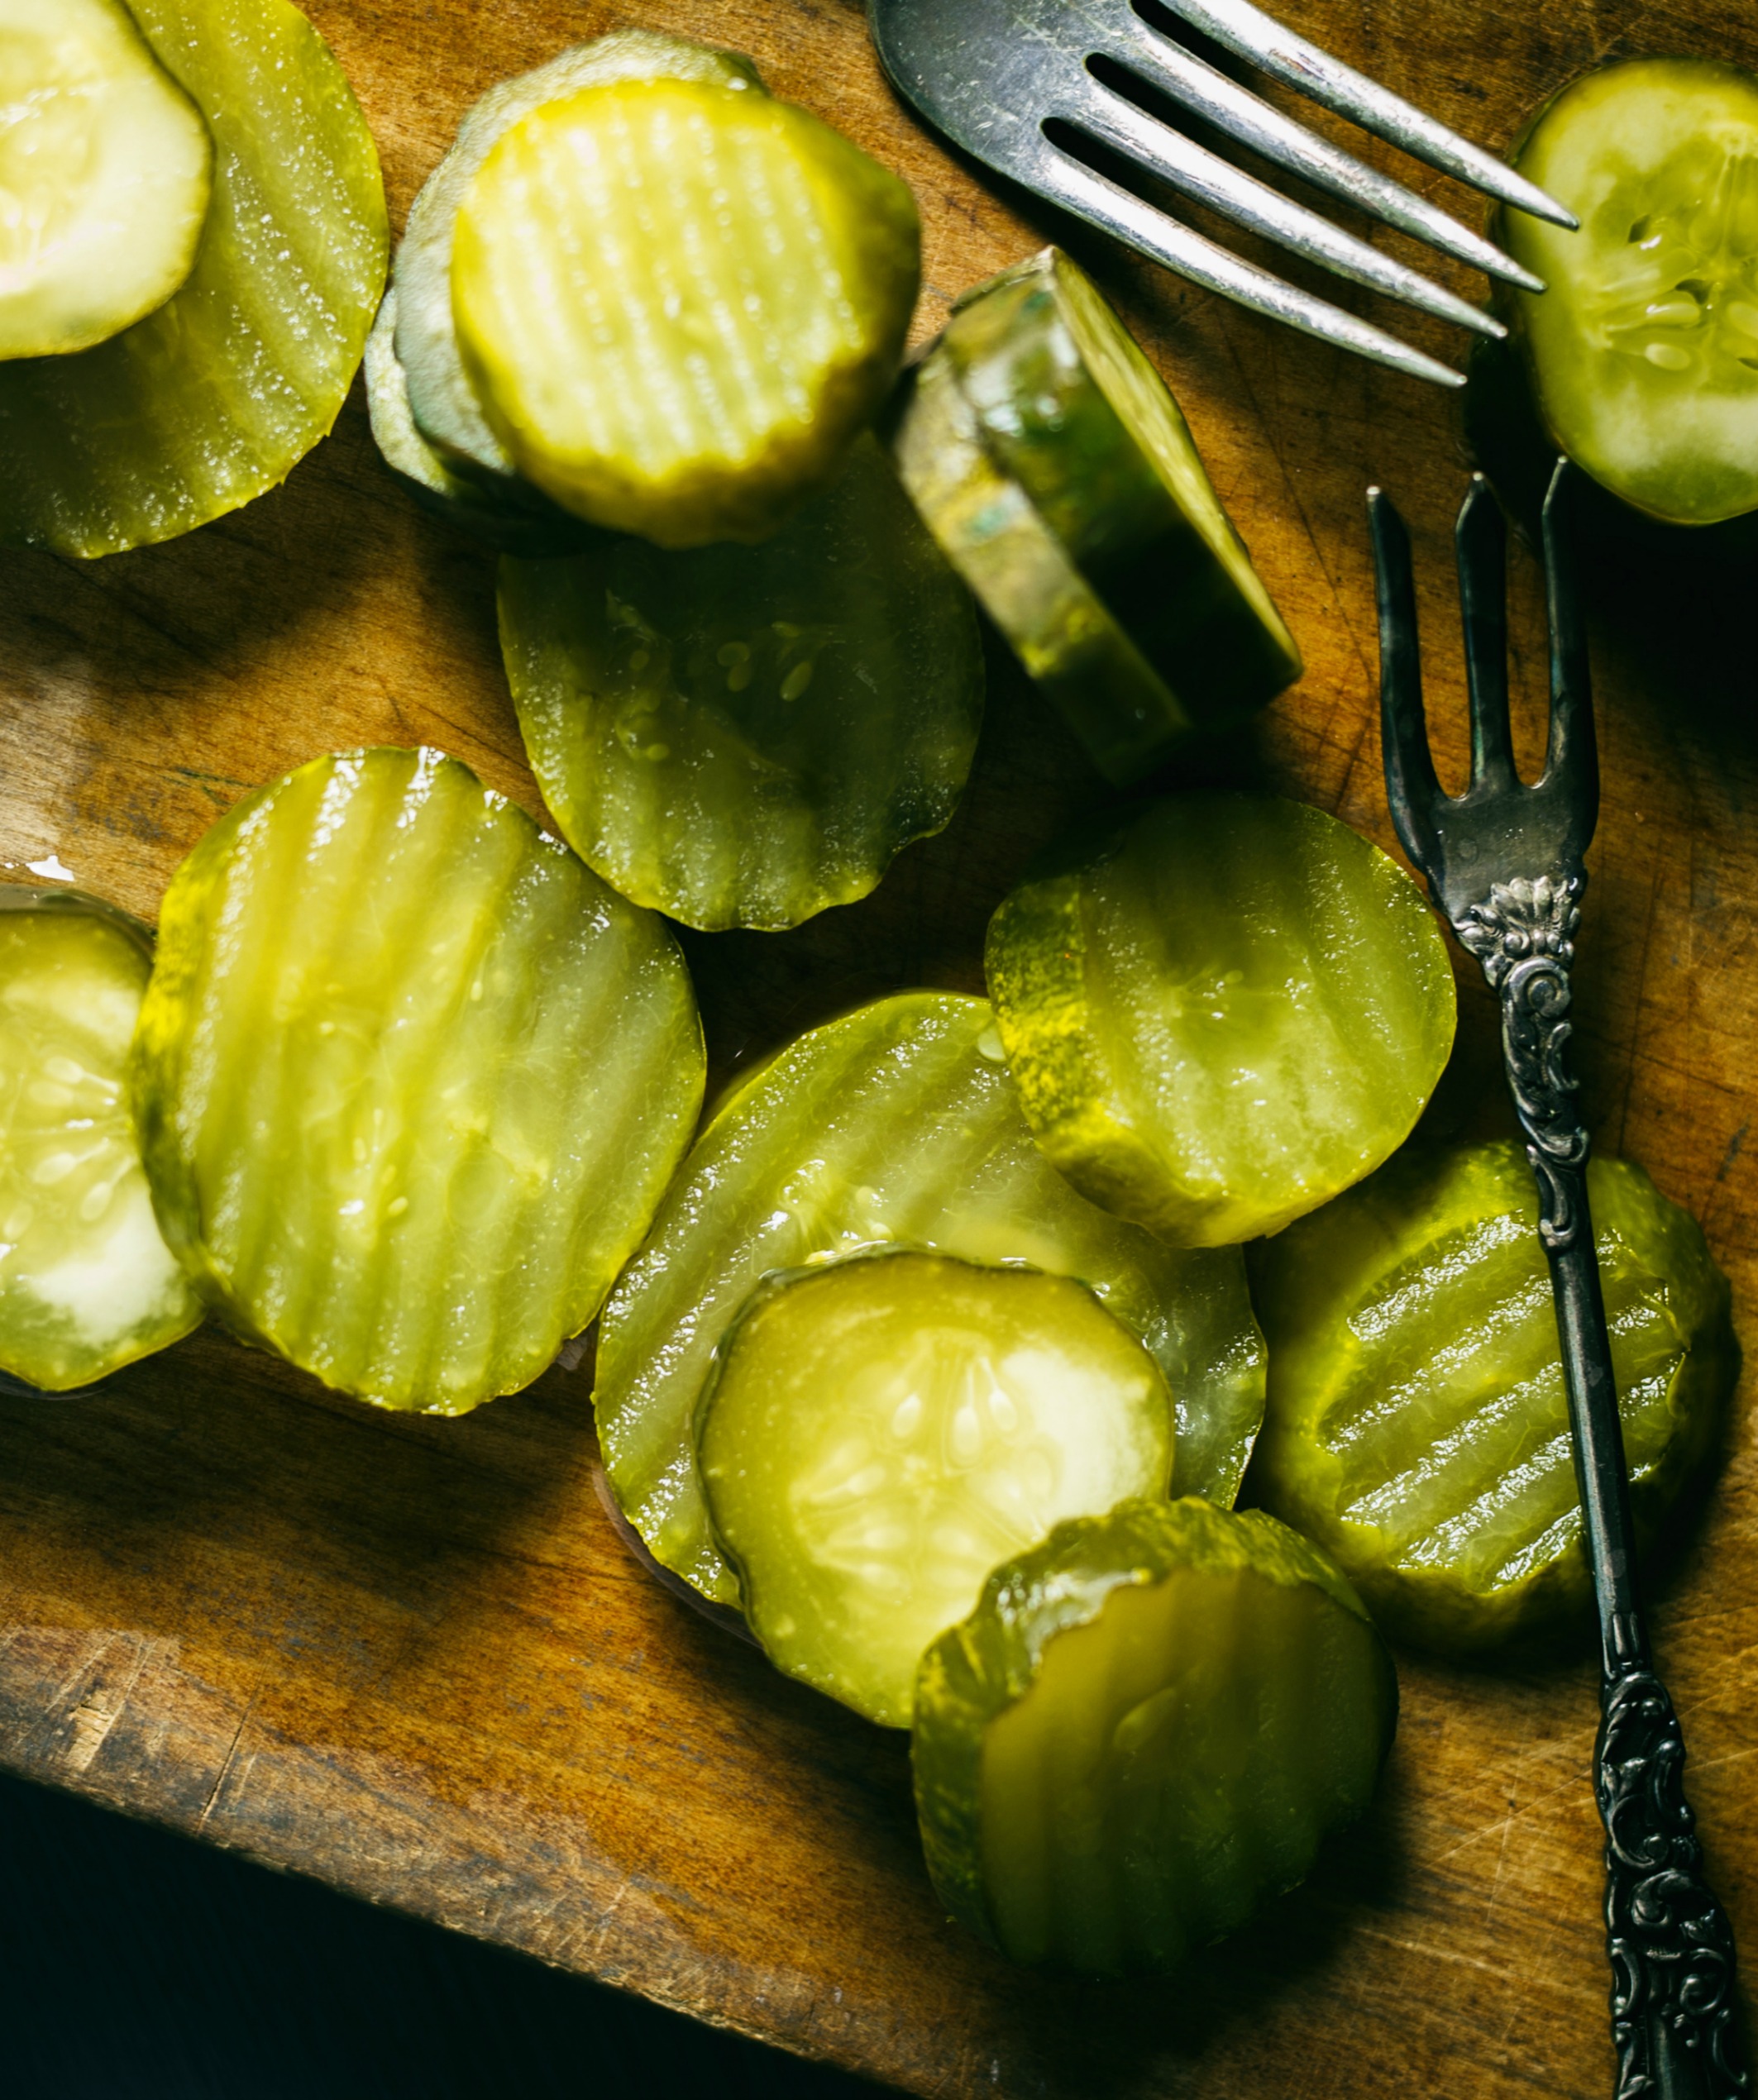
x=409, y=1658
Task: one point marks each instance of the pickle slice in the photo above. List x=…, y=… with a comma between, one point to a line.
x=679, y=302
x=1644, y=350
x=880, y=1432
x=1072, y=411
x=1147, y=1726
x=87, y=1284
x=1221, y=1013
x=441, y=398
x=410, y=1080
x=897, y=1123
x=745, y=736
x=213, y=398
x=1418, y=1427
x=105, y=169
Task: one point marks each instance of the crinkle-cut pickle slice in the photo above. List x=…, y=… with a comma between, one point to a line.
x=212, y=400
x=1145, y=1729
x=105, y=166
x=1643, y=351
x=880, y=1432
x=1417, y=1425
x=1221, y=1014
x=87, y=1283
x=745, y=736
x=410, y=1080
x=897, y=1123
x=1071, y=411
x=441, y=398
x=678, y=303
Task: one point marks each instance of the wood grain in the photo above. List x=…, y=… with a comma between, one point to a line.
x=409, y=1657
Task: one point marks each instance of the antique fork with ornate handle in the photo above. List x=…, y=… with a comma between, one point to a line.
x=1503, y=863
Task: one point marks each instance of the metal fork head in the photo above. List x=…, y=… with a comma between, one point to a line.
x=1499, y=830
x=993, y=73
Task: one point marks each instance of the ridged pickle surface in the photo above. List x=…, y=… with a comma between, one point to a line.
x=898, y=1124
x=1417, y=1425
x=410, y=1079
x=106, y=168
x=745, y=736
x=212, y=398
x=87, y=1282
x=881, y=1432
x=1146, y=1728
x=1220, y=1013
x=678, y=303
x=1643, y=351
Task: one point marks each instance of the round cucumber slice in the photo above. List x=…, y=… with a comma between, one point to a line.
x=1418, y=1427
x=410, y=1080
x=1644, y=350
x=1220, y=1013
x=87, y=1283
x=679, y=302
x=746, y=736
x=898, y=1124
x=106, y=167
x=212, y=398
x=1146, y=1728
x=879, y=1433
x=441, y=398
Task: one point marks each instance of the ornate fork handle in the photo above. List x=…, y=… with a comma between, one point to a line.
x=1674, y=2018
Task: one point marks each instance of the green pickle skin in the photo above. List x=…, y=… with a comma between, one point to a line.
x=1145, y=1730
x=1417, y=1424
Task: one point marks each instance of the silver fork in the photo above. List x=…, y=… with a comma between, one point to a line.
x=993, y=74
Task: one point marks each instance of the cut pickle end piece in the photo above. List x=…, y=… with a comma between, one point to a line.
x=87, y=1282
x=106, y=170
x=880, y=1432
x=214, y=398
x=680, y=302
x=1418, y=1427
x=1643, y=349
x=441, y=398
x=897, y=1123
x=410, y=1079
x=1146, y=1728
x=746, y=736
x=1220, y=1013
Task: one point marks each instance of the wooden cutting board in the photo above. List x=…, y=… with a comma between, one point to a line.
x=409, y=1657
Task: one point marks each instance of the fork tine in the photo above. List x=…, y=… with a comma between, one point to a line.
x=1571, y=755
x=1412, y=790
x=1481, y=539
x=1241, y=27
x=1204, y=175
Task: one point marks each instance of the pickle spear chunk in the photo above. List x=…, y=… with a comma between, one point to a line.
x=410, y=1079
x=744, y=736
x=898, y=1124
x=105, y=168
x=1221, y=1013
x=880, y=1432
x=1145, y=1728
x=1418, y=1426
x=87, y=1284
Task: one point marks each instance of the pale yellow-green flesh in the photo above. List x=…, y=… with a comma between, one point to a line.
x=744, y=736
x=105, y=168
x=678, y=303
x=896, y=1124
x=1418, y=1426
x=1224, y=1015
x=87, y=1284
x=881, y=1434
x=411, y=1079
x=212, y=398
x=1644, y=349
